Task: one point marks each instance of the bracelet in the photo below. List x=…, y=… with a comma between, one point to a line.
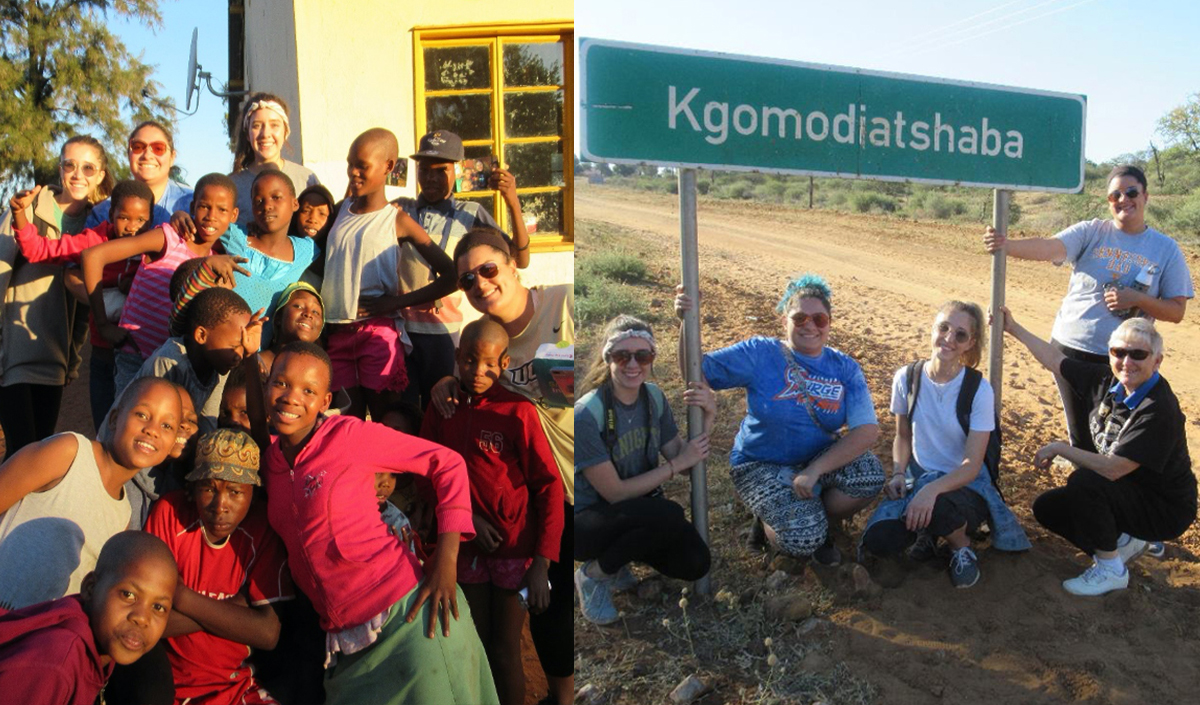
x=521, y=249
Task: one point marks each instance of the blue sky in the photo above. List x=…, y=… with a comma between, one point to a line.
x=1133, y=60
x=200, y=140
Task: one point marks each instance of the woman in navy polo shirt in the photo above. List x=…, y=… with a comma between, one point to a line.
x=1137, y=486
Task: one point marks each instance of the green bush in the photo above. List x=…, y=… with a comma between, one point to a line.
x=865, y=202
x=616, y=267
x=598, y=300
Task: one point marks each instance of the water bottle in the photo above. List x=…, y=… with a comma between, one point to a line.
x=1143, y=282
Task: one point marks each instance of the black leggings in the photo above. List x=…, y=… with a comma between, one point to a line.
x=553, y=631
x=28, y=414
x=648, y=530
x=1091, y=512
x=950, y=512
x=1077, y=406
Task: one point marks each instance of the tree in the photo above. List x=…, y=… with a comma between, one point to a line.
x=62, y=73
x=1182, y=124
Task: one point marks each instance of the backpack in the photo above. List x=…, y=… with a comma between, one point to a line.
x=598, y=404
x=962, y=409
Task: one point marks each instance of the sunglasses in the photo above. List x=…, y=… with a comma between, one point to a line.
x=1131, y=193
x=138, y=146
x=622, y=357
x=487, y=270
x=69, y=167
x=1133, y=353
x=960, y=335
x=820, y=320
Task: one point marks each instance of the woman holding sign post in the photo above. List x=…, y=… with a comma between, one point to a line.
x=802, y=454
x=1121, y=268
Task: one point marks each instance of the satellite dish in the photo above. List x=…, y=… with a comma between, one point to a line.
x=193, y=81
x=196, y=74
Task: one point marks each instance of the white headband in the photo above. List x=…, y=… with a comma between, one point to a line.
x=626, y=335
x=267, y=105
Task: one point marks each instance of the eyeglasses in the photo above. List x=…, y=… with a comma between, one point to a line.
x=1133, y=353
x=1131, y=193
x=70, y=166
x=622, y=357
x=487, y=270
x=960, y=335
x=820, y=320
x=138, y=146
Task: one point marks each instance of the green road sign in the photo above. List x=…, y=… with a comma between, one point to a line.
x=674, y=107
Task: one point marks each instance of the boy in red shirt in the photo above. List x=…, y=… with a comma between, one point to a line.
x=510, y=465
x=61, y=652
x=233, y=569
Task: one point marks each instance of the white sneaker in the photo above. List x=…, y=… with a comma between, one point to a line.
x=1133, y=549
x=1096, y=580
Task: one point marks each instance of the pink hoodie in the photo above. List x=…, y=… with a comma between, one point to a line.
x=48, y=655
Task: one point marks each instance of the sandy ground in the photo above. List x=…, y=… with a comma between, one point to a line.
x=1014, y=638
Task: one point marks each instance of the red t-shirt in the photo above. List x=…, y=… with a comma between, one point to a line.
x=514, y=478
x=208, y=668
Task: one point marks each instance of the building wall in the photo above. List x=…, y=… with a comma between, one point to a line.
x=355, y=71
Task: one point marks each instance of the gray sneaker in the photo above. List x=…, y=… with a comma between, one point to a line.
x=1132, y=550
x=964, y=568
x=1156, y=549
x=595, y=597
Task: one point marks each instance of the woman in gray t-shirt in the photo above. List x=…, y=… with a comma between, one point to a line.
x=622, y=428
x=1121, y=268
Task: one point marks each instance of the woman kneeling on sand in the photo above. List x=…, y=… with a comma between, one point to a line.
x=622, y=427
x=940, y=449
x=790, y=461
x=1139, y=485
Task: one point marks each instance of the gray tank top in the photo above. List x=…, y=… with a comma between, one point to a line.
x=50, y=540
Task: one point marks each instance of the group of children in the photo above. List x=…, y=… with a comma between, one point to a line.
x=231, y=348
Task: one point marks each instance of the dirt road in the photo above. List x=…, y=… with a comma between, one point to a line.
x=889, y=275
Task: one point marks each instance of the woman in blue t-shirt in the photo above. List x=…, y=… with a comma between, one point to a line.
x=790, y=460
x=623, y=426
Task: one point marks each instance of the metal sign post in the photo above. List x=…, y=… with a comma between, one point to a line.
x=1000, y=199
x=690, y=269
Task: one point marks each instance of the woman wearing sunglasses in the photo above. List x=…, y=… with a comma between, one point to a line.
x=940, y=488
x=627, y=448
x=791, y=461
x=532, y=317
x=151, y=157
x=1134, y=481
x=1121, y=267
x=37, y=324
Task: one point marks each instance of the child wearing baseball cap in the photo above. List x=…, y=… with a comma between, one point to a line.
x=225, y=550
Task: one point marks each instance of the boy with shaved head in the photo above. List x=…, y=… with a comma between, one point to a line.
x=516, y=497
x=361, y=290
x=63, y=651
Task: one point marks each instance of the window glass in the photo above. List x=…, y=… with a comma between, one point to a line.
x=457, y=68
x=537, y=164
x=468, y=116
x=533, y=114
x=543, y=210
x=537, y=64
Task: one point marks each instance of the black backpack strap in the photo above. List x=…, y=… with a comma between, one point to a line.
x=966, y=399
x=916, y=370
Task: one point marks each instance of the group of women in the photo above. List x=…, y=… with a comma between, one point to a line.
x=42, y=326
x=802, y=455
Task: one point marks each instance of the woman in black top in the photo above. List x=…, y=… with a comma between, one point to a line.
x=1138, y=486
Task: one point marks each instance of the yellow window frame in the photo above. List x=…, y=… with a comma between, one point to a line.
x=494, y=35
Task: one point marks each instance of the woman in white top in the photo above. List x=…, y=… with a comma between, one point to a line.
x=941, y=487
x=264, y=129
